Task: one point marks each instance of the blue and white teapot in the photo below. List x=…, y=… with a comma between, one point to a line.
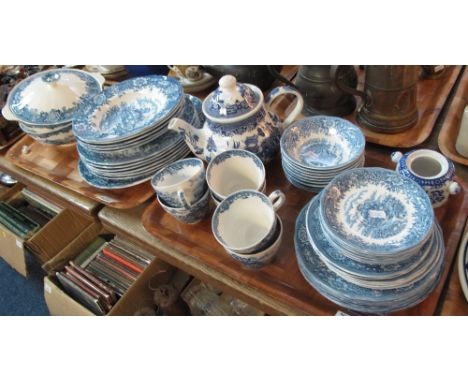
x=237, y=118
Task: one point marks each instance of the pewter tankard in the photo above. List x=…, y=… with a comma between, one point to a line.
x=321, y=96
x=389, y=97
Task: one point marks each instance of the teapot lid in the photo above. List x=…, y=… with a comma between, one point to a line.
x=51, y=97
x=232, y=100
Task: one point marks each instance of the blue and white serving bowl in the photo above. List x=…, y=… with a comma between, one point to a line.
x=376, y=211
x=315, y=149
x=182, y=183
x=128, y=108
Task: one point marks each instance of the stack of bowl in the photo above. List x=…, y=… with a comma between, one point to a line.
x=369, y=242
x=247, y=226
x=122, y=134
x=45, y=103
x=315, y=149
x=182, y=190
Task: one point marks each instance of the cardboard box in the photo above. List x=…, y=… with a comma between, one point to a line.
x=137, y=296
x=45, y=243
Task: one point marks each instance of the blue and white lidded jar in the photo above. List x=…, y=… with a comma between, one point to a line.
x=431, y=170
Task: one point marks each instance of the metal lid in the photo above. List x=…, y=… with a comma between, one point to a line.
x=232, y=101
x=51, y=97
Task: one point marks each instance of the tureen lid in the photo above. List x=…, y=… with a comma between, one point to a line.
x=232, y=100
x=52, y=96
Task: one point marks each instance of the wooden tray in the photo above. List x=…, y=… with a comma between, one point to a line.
x=59, y=165
x=431, y=97
x=451, y=126
x=282, y=279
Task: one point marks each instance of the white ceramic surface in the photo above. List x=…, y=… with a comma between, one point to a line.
x=234, y=170
x=461, y=144
x=246, y=220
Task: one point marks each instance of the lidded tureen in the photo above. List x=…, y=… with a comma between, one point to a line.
x=238, y=118
x=44, y=104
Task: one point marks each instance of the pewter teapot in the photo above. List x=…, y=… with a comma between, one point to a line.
x=238, y=118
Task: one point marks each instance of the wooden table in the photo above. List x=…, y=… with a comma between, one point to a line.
x=50, y=190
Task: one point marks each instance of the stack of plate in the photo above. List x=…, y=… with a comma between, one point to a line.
x=110, y=72
x=315, y=149
x=369, y=242
x=122, y=134
x=44, y=103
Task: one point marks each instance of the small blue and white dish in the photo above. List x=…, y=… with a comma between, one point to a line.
x=245, y=221
x=182, y=183
x=374, y=210
x=315, y=149
x=396, y=274
x=322, y=142
x=189, y=215
x=127, y=108
x=263, y=257
x=51, y=97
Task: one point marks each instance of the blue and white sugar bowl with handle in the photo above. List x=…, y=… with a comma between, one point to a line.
x=238, y=118
x=431, y=170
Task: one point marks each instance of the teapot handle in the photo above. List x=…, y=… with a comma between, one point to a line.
x=335, y=72
x=281, y=90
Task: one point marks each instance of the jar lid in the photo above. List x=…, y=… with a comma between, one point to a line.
x=51, y=97
x=232, y=100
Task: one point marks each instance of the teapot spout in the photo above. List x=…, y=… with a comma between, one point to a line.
x=191, y=134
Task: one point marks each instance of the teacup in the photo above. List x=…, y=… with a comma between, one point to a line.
x=181, y=184
x=191, y=215
x=234, y=170
x=245, y=221
x=262, y=257
x=218, y=201
x=431, y=170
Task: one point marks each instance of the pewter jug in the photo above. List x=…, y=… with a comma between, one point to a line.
x=389, y=97
x=321, y=95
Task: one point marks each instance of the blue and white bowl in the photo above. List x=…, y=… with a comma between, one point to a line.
x=191, y=215
x=245, y=221
x=316, y=149
x=127, y=109
x=375, y=211
x=182, y=183
x=263, y=257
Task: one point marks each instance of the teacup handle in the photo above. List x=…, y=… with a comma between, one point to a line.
x=281, y=90
x=454, y=188
x=277, y=198
x=183, y=200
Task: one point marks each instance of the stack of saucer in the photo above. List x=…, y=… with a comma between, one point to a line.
x=369, y=242
x=315, y=149
x=122, y=134
x=44, y=104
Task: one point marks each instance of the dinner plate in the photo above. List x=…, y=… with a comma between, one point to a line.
x=463, y=265
x=353, y=296
x=339, y=258
x=376, y=211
